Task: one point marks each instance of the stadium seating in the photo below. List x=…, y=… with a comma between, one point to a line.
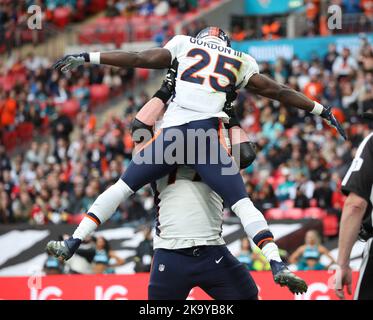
x=74, y=218
x=330, y=225
x=330, y=222
x=134, y=28
x=71, y=107
x=275, y=214
x=24, y=132
x=99, y=93
x=294, y=213
x=61, y=16
x=288, y=204
x=315, y=213
x=9, y=140
x=96, y=6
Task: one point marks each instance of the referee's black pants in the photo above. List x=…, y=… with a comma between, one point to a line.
x=212, y=268
x=364, y=288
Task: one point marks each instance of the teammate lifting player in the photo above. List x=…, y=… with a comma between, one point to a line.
x=209, y=70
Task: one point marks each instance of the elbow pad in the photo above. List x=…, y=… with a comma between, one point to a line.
x=140, y=131
x=247, y=153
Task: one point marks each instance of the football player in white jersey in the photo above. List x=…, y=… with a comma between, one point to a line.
x=209, y=71
x=182, y=199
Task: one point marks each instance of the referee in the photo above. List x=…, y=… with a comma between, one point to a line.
x=357, y=221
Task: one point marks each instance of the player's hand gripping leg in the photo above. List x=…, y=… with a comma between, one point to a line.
x=284, y=277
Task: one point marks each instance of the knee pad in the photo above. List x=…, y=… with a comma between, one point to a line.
x=247, y=153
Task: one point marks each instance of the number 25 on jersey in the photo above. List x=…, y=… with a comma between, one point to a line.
x=191, y=74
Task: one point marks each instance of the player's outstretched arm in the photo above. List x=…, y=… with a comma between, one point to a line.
x=266, y=87
x=157, y=58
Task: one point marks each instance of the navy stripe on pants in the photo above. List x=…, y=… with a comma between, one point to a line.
x=230, y=186
x=215, y=270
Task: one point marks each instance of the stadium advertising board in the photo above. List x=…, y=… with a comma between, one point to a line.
x=268, y=7
x=304, y=48
x=134, y=287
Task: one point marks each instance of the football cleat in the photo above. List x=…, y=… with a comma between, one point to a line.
x=284, y=277
x=63, y=250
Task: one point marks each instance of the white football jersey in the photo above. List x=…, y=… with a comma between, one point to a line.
x=206, y=70
x=189, y=212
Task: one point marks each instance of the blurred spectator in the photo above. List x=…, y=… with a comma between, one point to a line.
x=314, y=88
x=330, y=57
x=62, y=126
x=161, y=8
x=239, y=34
x=81, y=93
x=52, y=265
x=312, y=16
x=271, y=30
x=112, y=9
x=144, y=252
x=351, y=6
x=287, y=189
x=8, y=111
x=301, y=201
x=345, y=65
x=22, y=207
x=367, y=6
x=307, y=256
x=245, y=255
x=103, y=256
x=6, y=212
x=323, y=194
x=4, y=159
x=265, y=198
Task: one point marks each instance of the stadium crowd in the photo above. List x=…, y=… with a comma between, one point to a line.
x=33, y=93
x=14, y=30
x=357, y=17
x=57, y=14
x=150, y=7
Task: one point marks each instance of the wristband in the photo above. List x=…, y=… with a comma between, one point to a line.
x=94, y=57
x=162, y=95
x=317, y=109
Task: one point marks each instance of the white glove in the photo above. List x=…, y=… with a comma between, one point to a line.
x=71, y=61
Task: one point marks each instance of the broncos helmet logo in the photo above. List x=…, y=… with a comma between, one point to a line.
x=214, y=32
